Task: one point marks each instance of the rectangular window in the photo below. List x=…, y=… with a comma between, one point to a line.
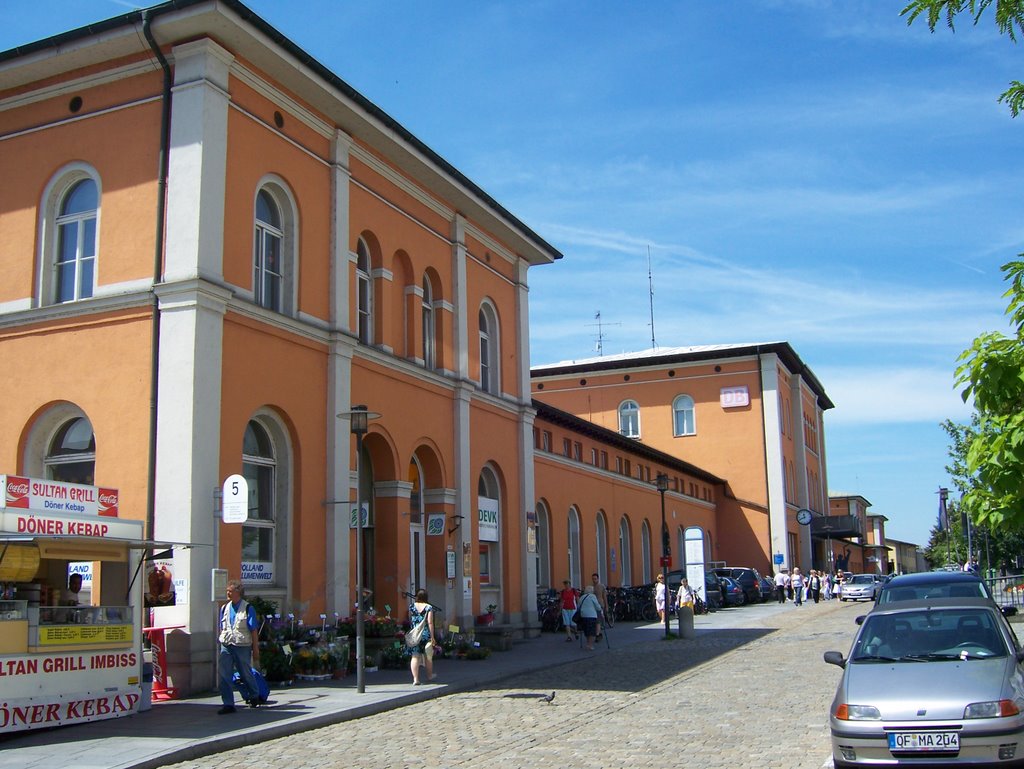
x=577, y=451
x=594, y=457
x=545, y=441
x=604, y=460
x=618, y=465
x=627, y=467
x=566, y=447
x=485, y=564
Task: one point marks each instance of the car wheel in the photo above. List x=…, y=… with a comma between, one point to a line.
x=841, y=598
x=743, y=599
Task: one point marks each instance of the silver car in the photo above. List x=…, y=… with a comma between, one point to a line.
x=937, y=681
x=860, y=587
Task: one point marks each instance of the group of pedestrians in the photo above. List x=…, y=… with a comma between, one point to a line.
x=592, y=605
x=811, y=588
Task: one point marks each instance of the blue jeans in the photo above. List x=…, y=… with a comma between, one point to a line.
x=236, y=658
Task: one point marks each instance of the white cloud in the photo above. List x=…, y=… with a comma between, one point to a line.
x=878, y=395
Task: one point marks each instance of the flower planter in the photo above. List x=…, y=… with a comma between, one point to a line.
x=485, y=620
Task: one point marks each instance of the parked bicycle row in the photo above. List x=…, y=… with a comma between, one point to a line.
x=723, y=587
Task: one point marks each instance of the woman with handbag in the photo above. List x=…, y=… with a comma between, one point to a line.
x=420, y=640
x=589, y=611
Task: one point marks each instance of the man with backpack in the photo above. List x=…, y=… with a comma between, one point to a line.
x=239, y=649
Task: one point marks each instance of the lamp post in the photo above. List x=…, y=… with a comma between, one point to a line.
x=661, y=481
x=359, y=419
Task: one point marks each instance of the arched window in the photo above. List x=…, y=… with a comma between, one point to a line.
x=429, y=331
x=602, y=547
x=71, y=456
x=75, y=257
x=275, y=247
x=625, y=553
x=267, y=268
x=364, y=293
x=490, y=375
x=629, y=419
x=543, y=547
x=574, y=569
x=489, y=531
x=645, y=552
x=259, y=532
x=683, y=420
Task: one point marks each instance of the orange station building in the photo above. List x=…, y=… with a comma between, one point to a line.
x=750, y=414
x=212, y=248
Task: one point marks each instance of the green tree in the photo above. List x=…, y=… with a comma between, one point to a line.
x=992, y=373
x=1009, y=18
x=997, y=548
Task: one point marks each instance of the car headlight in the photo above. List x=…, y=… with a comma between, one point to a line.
x=857, y=713
x=993, y=709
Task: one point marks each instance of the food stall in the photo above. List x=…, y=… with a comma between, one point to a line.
x=66, y=657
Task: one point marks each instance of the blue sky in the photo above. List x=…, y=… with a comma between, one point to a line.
x=807, y=171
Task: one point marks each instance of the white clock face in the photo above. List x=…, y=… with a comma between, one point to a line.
x=804, y=516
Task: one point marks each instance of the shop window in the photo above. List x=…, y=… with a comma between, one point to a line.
x=485, y=564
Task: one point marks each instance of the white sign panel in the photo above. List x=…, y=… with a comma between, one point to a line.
x=734, y=397
x=58, y=496
x=257, y=571
x=487, y=517
x=366, y=516
x=435, y=524
x=236, y=499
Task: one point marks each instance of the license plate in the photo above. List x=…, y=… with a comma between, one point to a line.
x=924, y=741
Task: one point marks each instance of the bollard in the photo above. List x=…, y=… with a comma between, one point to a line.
x=686, y=622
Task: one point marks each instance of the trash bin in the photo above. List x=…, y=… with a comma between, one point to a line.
x=147, y=687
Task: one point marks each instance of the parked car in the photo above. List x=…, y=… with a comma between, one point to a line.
x=768, y=589
x=732, y=593
x=712, y=589
x=938, y=584
x=748, y=579
x=860, y=587
x=935, y=680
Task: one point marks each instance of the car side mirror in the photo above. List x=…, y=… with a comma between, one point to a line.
x=859, y=620
x=1008, y=611
x=835, y=658
x=1020, y=656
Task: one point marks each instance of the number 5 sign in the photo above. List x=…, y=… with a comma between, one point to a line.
x=236, y=499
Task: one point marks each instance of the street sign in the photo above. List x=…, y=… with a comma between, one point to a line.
x=778, y=559
x=666, y=560
x=235, y=499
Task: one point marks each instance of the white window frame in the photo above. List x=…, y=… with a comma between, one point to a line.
x=684, y=405
x=52, y=200
x=286, y=236
x=490, y=349
x=629, y=418
x=429, y=342
x=364, y=292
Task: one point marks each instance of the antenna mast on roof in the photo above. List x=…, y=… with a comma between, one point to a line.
x=600, y=331
x=650, y=283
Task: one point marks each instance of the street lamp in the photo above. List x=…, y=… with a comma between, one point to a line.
x=359, y=419
x=661, y=481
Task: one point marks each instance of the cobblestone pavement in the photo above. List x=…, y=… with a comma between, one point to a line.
x=752, y=696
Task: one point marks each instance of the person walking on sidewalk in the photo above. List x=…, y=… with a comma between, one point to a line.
x=781, y=583
x=660, y=596
x=814, y=586
x=601, y=593
x=590, y=610
x=568, y=601
x=797, y=581
x=422, y=654
x=239, y=649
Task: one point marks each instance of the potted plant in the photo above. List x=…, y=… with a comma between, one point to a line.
x=487, y=618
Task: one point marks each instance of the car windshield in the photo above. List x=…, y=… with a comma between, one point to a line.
x=862, y=579
x=929, y=634
x=895, y=592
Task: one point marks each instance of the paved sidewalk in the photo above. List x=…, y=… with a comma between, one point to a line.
x=186, y=729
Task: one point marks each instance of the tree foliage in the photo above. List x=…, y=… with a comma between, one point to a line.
x=1009, y=16
x=991, y=371
x=995, y=547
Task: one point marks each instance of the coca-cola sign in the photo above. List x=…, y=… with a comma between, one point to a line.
x=23, y=493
